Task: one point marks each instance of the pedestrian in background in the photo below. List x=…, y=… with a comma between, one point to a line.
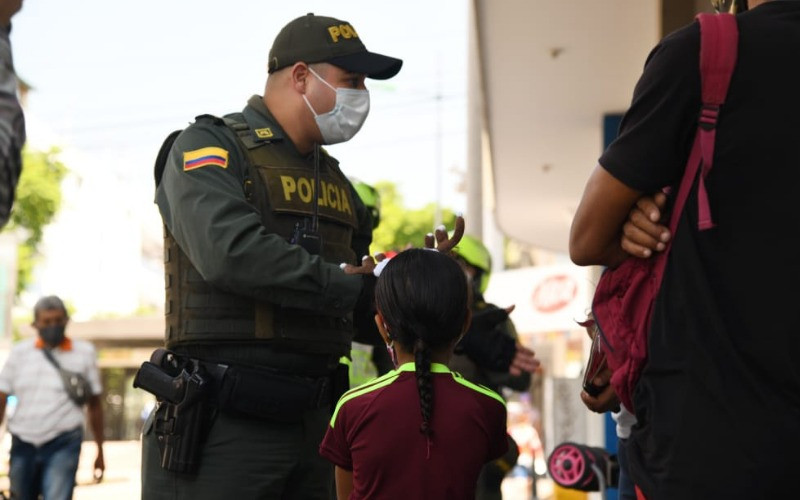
x=47, y=425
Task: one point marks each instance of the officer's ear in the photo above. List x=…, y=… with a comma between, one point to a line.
x=300, y=75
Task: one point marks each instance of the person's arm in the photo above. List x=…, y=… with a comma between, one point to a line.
x=596, y=230
x=12, y=121
x=344, y=483
x=7, y=381
x=518, y=376
x=95, y=415
x=485, y=342
x=222, y=233
x=364, y=312
x=649, y=154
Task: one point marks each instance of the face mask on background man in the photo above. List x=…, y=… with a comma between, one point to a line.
x=52, y=335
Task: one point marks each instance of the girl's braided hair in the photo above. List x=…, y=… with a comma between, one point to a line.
x=423, y=297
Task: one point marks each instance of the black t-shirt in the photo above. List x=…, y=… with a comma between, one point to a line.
x=718, y=402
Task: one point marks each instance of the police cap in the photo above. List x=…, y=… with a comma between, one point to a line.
x=314, y=39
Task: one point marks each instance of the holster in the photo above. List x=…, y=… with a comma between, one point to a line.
x=181, y=428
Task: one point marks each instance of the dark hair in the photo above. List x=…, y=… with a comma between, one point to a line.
x=49, y=303
x=423, y=297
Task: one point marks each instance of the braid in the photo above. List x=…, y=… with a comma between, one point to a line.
x=422, y=358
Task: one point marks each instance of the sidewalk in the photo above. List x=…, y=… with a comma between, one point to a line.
x=122, y=477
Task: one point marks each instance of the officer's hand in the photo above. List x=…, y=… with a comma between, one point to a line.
x=524, y=361
x=439, y=240
x=607, y=400
x=643, y=233
x=367, y=266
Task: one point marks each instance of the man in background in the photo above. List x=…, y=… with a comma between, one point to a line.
x=47, y=425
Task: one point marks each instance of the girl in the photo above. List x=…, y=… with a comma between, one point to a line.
x=420, y=431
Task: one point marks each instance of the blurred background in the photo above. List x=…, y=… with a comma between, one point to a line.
x=500, y=112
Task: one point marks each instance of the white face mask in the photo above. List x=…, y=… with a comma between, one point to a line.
x=347, y=116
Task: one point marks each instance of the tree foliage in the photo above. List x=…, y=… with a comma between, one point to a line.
x=38, y=199
x=400, y=226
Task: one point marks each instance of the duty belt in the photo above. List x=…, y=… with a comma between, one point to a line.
x=237, y=389
x=266, y=394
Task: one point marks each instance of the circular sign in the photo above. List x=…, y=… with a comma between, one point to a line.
x=554, y=293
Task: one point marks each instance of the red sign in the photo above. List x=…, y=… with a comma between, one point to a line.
x=554, y=293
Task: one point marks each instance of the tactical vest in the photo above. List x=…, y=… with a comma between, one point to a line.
x=281, y=187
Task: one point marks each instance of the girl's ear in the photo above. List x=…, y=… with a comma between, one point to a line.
x=382, y=328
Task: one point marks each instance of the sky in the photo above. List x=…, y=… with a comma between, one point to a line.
x=112, y=79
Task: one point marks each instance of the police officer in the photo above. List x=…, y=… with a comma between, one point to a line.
x=258, y=219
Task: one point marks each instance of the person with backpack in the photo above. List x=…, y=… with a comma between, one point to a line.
x=717, y=399
x=420, y=431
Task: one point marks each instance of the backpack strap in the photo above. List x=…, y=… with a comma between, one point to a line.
x=719, y=41
x=49, y=355
x=718, y=48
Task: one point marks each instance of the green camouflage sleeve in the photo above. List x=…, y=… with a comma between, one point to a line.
x=202, y=202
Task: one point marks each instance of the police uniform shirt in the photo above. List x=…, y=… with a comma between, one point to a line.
x=202, y=202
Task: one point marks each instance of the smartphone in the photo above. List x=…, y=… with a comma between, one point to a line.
x=596, y=364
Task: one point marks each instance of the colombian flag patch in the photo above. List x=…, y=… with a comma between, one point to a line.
x=204, y=157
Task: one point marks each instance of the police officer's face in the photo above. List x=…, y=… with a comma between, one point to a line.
x=322, y=97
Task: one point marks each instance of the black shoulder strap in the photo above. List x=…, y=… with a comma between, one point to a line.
x=49, y=355
x=241, y=129
x=163, y=154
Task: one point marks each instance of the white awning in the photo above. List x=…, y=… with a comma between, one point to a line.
x=550, y=70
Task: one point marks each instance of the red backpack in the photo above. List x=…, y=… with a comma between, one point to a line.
x=623, y=301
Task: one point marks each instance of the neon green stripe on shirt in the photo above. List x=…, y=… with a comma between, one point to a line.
x=391, y=376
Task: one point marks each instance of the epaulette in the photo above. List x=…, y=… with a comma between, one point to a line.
x=211, y=118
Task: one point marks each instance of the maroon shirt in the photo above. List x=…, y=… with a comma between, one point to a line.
x=375, y=433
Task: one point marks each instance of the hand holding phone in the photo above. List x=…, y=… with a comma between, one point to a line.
x=596, y=364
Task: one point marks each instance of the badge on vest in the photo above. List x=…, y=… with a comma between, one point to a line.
x=204, y=157
x=264, y=133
